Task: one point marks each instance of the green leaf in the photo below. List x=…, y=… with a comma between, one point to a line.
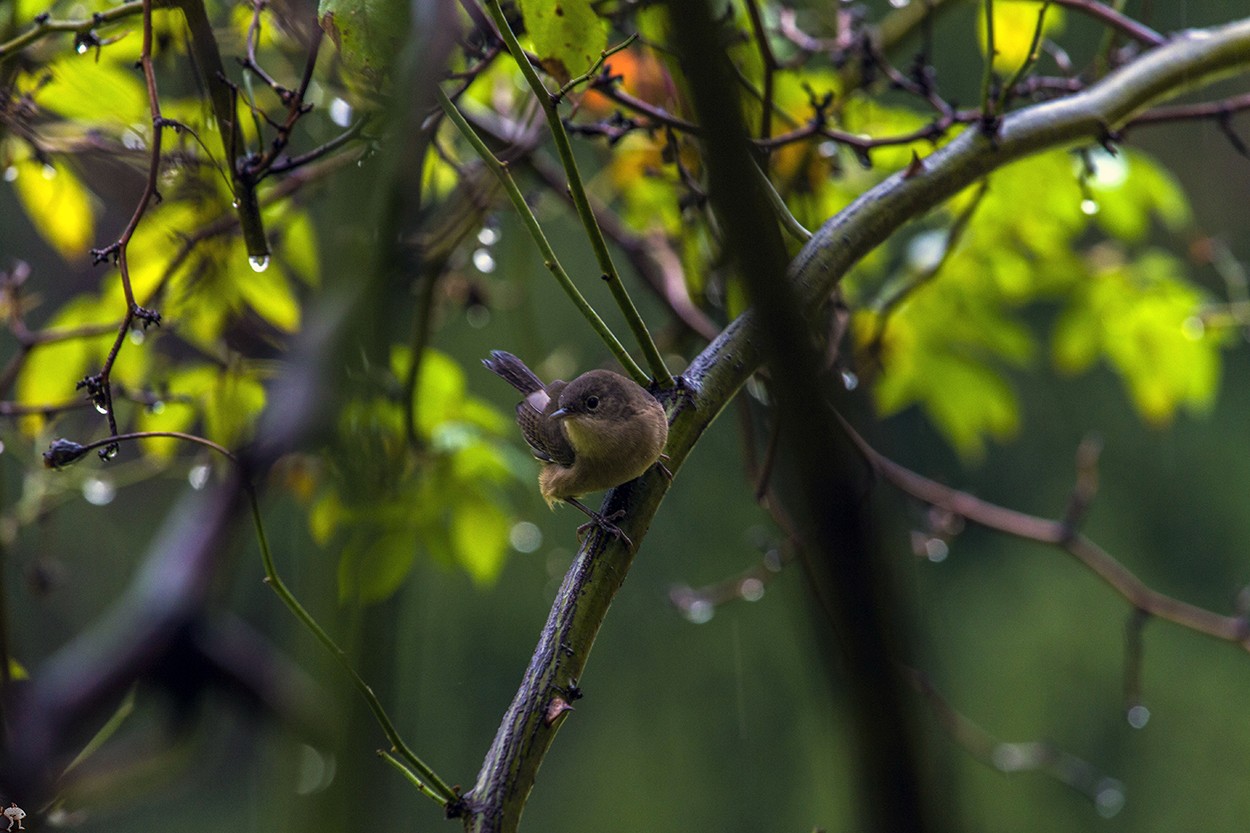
x=268, y=293
x=479, y=536
x=1015, y=24
x=1129, y=190
x=51, y=371
x=1142, y=318
x=230, y=399
x=297, y=249
x=367, y=34
x=80, y=85
x=372, y=567
x=441, y=386
x=567, y=35
x=325, y=516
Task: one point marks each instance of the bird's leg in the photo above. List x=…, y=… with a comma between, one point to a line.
x=659, y=464
x=600, y=521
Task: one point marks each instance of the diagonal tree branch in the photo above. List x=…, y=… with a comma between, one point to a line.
x=529, y=726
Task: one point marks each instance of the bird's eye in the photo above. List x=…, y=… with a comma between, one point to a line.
x=592, y=402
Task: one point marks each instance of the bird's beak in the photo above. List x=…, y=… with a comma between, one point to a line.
x=561, y=413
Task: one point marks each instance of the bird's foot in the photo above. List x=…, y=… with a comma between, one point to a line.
x=601, y=522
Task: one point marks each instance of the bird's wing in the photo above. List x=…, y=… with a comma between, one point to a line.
x=545, y=436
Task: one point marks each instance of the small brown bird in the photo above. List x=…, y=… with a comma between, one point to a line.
x=598, y=431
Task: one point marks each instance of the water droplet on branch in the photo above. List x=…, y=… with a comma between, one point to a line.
x=98, y=492
x=259, y=263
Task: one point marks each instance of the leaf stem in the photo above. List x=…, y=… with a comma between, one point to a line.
x=550, y=260
x=584, y=212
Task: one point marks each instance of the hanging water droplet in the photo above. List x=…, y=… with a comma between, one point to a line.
x=235, y=204
x=1193, y=328
x=936, y=550
x=1109, y=798
x=1138, y=716
x=751, y=589
x=109, y=452
x=316, y=771
x=49, y=172
x=137, y=337
x=259, y=263
x=926, y=250
x=849, y=380
x=484, y=261
x=157, y=407
x=98, y=492
x=81, y=48
x=478, y=316
x=1110, y=170
x=1089, y=207
x=488, y=235
x=699, y=611
x=340, y=112
x=899, y=4
x=1, y=446
x=198, y=476
x=1009, y=757
x=525, y=537
x=10, y=173
x=101, y=409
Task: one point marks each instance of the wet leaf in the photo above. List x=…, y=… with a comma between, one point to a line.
x=59, y=207
x=567, y=35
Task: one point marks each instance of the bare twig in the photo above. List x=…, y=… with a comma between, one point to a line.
x=1235, y=629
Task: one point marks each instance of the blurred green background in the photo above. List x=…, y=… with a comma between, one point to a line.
x=730, y=724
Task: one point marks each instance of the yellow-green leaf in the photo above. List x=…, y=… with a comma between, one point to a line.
x=1015, y=24
x=268, y=293
x=104, y=92
x=51, y=371
x=567, y=35
x=58, y=205
x=479, y=535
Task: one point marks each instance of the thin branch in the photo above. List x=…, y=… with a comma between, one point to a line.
x=584, y=211
x=1235, y=629
x=1030, y=59
x=550, y=260
x=1106, y=793
x=99, y=388
x=436, y=789
x=45, y=25
x=769, y=60
x=652, y=256
x=595, y=68
x=1116, y=20
x=1188, y=112
x=988, y=117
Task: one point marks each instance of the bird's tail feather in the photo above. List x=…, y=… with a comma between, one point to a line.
x=513, y=371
